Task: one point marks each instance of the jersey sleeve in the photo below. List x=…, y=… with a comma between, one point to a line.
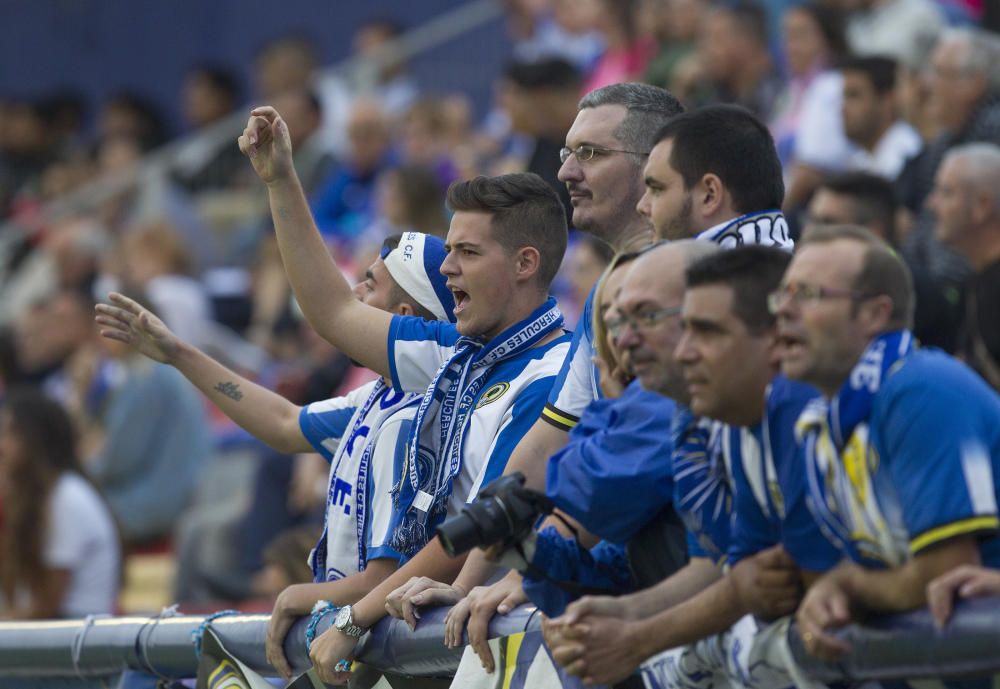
x=935, y=439
x=702, y=492
x=325, y=423
x=752, y=531
x=386, y=467
x=576, y=385
x=620, y=447
x=417, y=349
x=518, y=420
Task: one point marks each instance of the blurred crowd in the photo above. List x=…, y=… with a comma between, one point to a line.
x=864, y=100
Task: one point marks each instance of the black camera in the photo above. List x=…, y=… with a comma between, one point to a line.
x=504, y=512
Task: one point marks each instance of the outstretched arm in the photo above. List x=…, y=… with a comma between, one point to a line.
x=265, y=414
x=359, y=330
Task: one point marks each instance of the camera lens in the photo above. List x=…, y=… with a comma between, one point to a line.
x=483, y=522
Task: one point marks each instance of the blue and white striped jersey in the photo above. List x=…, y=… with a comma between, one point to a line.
x=365, y=448
x=508, y=404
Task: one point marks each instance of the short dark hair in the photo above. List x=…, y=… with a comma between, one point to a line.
x=879, y=70
x=730, y=142
x=647, y=108
x=526, y=211
x=544, y=74
x=752, y=272
x=882, y=272
x=873, y=199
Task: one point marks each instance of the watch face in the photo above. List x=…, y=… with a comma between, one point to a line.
x=343, y=617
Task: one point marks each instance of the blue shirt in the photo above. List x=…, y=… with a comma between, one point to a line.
x=769, y=484
x=614, y=474
x=507, y=405
x=577, y=384
x=924, y=468
x=703, y=490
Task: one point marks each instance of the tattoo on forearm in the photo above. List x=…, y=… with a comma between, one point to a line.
x=282, y=213
x=230, y=390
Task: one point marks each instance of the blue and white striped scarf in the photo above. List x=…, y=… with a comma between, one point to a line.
x=764, y=228
x=435, y=449
x=318, y=556
x=835, y=437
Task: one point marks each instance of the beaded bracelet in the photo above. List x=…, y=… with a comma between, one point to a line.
x=321, y=609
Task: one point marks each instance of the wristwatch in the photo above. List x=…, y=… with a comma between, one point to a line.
x=344, y=622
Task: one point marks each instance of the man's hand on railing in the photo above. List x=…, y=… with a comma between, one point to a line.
x=825, y=608
x=475, y=611
x=594, y=640
x=294, y=602
x=966, y=581
x=332, y=651
x=420, y=592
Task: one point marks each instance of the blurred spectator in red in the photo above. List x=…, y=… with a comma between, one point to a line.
x=628, y=49
x=61, y=554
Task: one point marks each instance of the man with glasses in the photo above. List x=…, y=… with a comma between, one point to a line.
x=602, y=168
x=728, y=356
x=901, y=451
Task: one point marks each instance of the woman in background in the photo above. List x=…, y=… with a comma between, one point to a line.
x=60, y=554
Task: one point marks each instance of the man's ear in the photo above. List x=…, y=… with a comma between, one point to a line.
x=710, y=194
x=528, y=261
x=875, y=314
x=981, y=206
x=405, y=308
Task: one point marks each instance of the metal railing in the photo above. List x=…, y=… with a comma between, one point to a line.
x=899, y=646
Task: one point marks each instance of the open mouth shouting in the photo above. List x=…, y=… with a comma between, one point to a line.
x=461, y=299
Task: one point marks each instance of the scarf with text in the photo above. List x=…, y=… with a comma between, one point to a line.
x=318, y=556
x=835, y=437
x=765, y=228
x=435, y=449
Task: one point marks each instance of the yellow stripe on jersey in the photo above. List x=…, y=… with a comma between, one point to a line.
x=558, y=418
x=513, y=646
x=959, y=528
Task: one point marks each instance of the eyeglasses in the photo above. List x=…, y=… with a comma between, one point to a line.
x=800, y=293
x=586, y=152
x=640, y=322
